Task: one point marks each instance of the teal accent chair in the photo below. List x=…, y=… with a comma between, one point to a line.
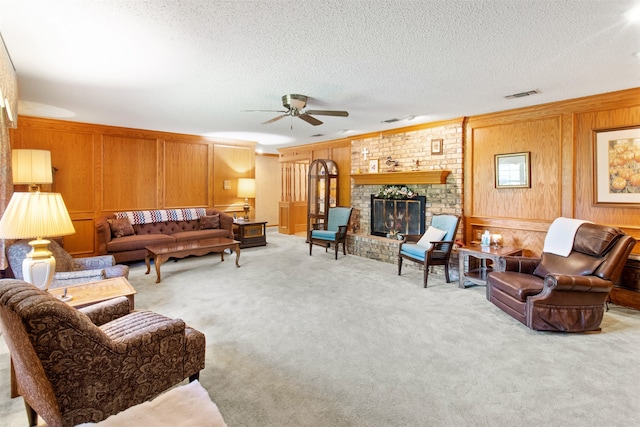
x=335, y=231
x=440, y=251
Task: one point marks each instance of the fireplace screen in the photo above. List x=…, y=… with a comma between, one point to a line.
x=404, y=216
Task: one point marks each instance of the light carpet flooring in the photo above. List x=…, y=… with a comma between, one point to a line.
x=294, y=340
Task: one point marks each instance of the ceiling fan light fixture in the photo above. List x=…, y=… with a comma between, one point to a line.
x=294, y=101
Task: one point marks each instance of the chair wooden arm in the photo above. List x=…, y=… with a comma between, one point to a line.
x=411, y=238
x=437, y=245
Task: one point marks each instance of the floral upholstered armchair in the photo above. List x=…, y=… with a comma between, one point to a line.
x=69, y=270
x=77, y=366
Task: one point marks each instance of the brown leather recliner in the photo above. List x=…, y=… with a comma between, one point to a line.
x=556, y=293
x=77, y=366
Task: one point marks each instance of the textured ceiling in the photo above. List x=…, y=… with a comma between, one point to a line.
x=194, y=66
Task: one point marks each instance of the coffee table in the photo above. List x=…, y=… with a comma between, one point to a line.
x=161, y=253
x=476, y=272
x=93, y=292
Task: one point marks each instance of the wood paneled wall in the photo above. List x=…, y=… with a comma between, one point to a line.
x=560, y=138
x=294, y=165
x=104, y=169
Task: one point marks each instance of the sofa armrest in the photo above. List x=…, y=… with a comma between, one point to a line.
x=141, y=328
x=568, y=283
x=568, y=304
x=68, y=278
x=518, y=264
x=106, y=311
x=103, y=232
x=95, y=262
x=567, y=290
x=226, y=221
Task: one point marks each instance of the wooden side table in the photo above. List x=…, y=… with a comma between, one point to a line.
x=476, y=270
x=250, y=233
x=94, y=292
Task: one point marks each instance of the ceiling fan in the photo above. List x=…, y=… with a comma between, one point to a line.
x=294, y=104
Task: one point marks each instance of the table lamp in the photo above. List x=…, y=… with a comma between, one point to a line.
x=31, y=167
x=36, y=215
x=246, y=189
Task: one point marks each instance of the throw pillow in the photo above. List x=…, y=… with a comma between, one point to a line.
x=211, y=221
x=121, y=227
x=431, y=235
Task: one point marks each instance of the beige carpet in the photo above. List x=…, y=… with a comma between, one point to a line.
x=307, y=341
x=183, y=406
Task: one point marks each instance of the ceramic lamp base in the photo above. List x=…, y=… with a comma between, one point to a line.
x=39, y=265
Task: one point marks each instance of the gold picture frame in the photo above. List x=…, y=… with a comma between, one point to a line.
x=513, y=170
x=373, y=165
x=616, y=172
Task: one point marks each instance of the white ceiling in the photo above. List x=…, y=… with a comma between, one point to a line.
x=193, y=66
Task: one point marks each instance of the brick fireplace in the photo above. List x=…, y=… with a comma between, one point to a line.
x=405, y=148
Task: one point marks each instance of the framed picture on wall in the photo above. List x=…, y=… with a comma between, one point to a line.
x=373, y=165
x=513, y=170
x=8, y=81
x=436, y=146
x=616, y=166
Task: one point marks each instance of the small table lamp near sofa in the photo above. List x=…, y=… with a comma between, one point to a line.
x=246, y=189
x=36, y=215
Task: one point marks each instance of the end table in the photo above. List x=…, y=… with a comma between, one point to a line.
x=250, y=233
x=477, y=274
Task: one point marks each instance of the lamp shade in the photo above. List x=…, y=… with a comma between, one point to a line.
x=246, y=187
x=35, y=215
x=31, y=166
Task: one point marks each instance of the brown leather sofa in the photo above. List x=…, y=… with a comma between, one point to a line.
x=132, y=247
x=556, y=293
x=77, y=366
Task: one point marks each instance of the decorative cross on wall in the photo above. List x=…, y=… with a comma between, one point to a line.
x=364, y=153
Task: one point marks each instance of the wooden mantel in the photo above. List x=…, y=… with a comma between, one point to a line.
x=411, y=177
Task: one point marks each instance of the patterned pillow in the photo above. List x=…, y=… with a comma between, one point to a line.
x=120, y=227
x=212, y=221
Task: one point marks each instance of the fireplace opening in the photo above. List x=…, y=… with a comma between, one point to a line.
x=391, y=216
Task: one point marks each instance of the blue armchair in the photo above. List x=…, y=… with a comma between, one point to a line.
x=431, y=251
x=335, y=231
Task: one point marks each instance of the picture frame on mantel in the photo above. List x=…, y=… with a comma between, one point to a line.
x=373, y=165
x=616, y=169
x=436, y=146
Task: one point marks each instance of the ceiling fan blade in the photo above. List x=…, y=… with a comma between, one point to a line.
x=263, y=111
x=311, y=120
x=328, y=113
x=275, y=119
